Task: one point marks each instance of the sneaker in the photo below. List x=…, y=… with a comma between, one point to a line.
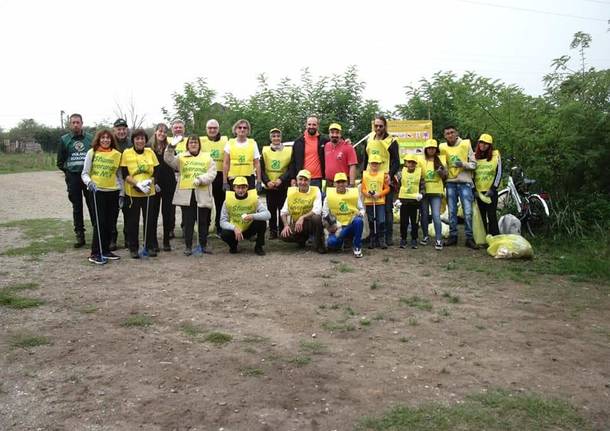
x=413, y=243
x=424, y=240
x=198, y=251
x=134, y=254
x=259, y=251
x=382, y=243
x=97, y=259
x=451, y=241
x=357, y=252
x=471, y=244
x=438, y=245
x=187, y=251
x=403, y=243
x=167, y=246
x=111, y=256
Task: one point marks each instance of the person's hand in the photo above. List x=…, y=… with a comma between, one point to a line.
x=92, y=187
x=348, y=141
x=286, y=232
x=259, y=186
x=247, y=217
x=293, y=182
x=121, y=201
x=176, y=140
x=277, y=183
x=458, y=164
x=226, y=187
x=157, y=188
x=419, y=197
x=361, y=213
x=298, y=226
x=196, y=182
x=489, y=193
x=270, y=185
x=143, y=186
x=372, y=193
x=238, y=235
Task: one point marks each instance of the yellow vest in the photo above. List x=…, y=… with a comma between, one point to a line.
x=215, y=148
x=276, y=162
x=181, y=146
x=103, y=169
x=242, y=158
x=380, y=147
x=433, y=181
x=191, y=167
x=409, y=183
x=238, y=207
x=343, y=206
x=140, y=167
x=485, y=173
x=300, y=203
x=453, y=154
x=374, y=183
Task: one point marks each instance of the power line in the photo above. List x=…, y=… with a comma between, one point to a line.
x=523, y=9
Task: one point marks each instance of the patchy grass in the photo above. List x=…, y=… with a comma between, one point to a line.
x=191, y=330
x=25, y=341
x=253, y=338
x=375, y=285
x=413, y=321
x=251, y=372
x=493, y=411
x=44, y=236
x=313, y=347
x=137, y=320
x=417, y=302
x=344, y=267
x=365, y=321
x=338, y=326
x=11, y=163
x=453, y=299
x=300, y=360
x=88, y=309
x=218, y=338
x=10, y=299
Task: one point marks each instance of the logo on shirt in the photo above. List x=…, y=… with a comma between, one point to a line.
x=343, y=207
x=275, y=164
x=79, y=146
x=241, y=158
x=215, y=154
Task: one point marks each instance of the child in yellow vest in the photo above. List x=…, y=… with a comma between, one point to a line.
x=435, y=174
x=412, y=189
x=375, y=187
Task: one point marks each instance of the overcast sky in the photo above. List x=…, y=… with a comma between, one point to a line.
x=87, y=56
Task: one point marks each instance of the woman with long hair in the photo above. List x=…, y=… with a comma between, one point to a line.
x=435, y=173
x=486, y=181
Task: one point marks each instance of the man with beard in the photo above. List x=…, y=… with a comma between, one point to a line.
x=308, y=153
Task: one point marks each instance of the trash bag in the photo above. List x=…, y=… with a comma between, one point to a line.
x=509, y=247
x=508, y=223
x=478, y=227
x=444, y=233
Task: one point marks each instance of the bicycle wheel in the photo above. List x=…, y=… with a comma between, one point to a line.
x=506, y=204
x=537, y=215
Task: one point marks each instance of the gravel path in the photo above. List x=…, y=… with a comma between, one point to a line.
x=47, y=196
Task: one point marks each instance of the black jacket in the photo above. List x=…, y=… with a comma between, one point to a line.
x=298, y=155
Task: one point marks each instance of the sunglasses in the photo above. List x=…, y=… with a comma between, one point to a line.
x=242, y=127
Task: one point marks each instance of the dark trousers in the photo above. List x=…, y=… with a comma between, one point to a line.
x=257, y=228
x=219, y=198
x=163, y=202
x=251, y=182
x=76, y=192
x=389, y=215
x=135, y=206
x=189, y=217
x=105, y=205
x=311, y=226
x=408, y=214
x=115, y=218
x=275, y=202
x=489, y=214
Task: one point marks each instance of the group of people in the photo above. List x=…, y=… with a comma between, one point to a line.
x=311, y=187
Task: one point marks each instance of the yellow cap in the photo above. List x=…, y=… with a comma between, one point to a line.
x=431, y=143
x=375, y=158
x=410, y=158
x=334, y=126
x=275, y=129
x=240, y=181
x=304, y=173
x=486, y=138
x=340, y=176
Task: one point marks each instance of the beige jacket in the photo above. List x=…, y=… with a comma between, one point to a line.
x=203, y=193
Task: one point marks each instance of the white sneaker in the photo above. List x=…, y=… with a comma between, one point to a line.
x=357, y=252
x=438, y=245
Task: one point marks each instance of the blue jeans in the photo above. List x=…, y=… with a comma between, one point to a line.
x=435, y=203
x=464, y=191
x=379, y=217
x=354, y=229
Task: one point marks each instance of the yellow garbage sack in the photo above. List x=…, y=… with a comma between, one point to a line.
x=444, y=233
x=478, y=227
x=509, y=246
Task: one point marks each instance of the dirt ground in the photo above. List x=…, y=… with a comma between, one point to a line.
x=318, y=341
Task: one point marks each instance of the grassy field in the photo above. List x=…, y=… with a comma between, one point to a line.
x=14, y=163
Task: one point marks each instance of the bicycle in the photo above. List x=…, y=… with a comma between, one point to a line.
x=531, y=209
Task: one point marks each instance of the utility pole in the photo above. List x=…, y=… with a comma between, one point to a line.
x=61, y=114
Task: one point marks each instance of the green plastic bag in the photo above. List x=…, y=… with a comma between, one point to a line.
x=478, y=227
x=509, y=247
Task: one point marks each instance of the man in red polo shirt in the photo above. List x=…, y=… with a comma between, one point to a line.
x=339, y=156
